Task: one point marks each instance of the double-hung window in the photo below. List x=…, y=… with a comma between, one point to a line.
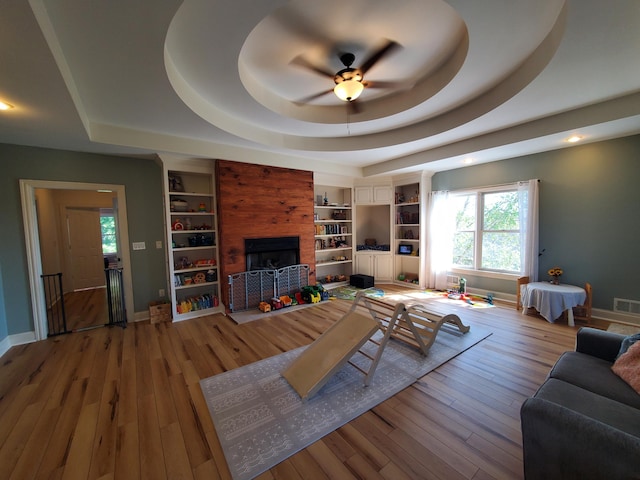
x=487, y=234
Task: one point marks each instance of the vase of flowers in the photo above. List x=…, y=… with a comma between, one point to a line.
x=555, y=273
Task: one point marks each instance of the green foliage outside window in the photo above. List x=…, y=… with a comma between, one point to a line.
x=498, y=232
x=108, y=229
x=464, y=236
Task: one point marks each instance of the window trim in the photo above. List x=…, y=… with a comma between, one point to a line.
x=479, y=230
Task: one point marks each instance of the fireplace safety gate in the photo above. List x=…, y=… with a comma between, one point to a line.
x=248, y=289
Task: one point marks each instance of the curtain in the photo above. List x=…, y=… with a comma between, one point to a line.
x=528, y=193
x=440, y=246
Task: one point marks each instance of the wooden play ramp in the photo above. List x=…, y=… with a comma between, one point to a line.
x=414, y=325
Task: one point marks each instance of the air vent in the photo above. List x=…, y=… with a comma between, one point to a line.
x=623, y=305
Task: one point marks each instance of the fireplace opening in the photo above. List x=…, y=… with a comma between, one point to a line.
x=271, y=253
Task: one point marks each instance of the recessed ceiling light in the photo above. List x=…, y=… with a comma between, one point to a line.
x=574, y=139
x=5, y=105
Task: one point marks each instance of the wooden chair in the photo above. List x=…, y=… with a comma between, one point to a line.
x=521, y=281
x=583, y=312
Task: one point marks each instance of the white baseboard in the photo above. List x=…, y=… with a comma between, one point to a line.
x=5, y=345
x=17, y=339
x=616, y=317
x=27, y=337
x=141, y=316
x=597, y=313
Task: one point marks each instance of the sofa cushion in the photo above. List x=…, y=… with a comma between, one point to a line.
x=592, y=405
x=627, y=367
x=595, y=375
x=628, y=342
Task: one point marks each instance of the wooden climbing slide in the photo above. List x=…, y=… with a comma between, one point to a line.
x=414, y=325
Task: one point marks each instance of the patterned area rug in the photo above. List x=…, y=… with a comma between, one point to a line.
x=349, y=292
x=435, y=296
x=623, y=329
x=260, y=420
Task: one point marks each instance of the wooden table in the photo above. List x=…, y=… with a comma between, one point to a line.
x=551, y=300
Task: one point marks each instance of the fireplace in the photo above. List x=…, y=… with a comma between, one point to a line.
x=271, y=253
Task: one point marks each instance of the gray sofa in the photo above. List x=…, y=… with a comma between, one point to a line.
x=584, y=421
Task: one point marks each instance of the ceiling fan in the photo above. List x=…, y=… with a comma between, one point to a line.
x=349, y=81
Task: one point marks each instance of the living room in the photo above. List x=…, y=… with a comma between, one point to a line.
x=580, y=193
x=127, y=403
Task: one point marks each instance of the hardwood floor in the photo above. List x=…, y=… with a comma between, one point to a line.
x=126, y=403
x=86, y=308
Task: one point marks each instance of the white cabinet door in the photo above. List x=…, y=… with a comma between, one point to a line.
x=383, y=267
x=364, y=264
x=378, y=266
x=364, y=195
x=377, y=194
x=382, y=194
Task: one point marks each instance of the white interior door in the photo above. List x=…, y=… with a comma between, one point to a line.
x=85, y=248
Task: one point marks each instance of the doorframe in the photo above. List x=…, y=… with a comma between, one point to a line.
x=32, y=242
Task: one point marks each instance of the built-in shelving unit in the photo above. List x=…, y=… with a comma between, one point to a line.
x=373, y=233
x=333, y=223
x=407, y=234
x=193, y=252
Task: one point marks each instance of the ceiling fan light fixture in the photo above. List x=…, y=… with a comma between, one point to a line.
x=348, y=90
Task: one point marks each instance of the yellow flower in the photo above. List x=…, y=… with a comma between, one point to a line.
x=555, y=272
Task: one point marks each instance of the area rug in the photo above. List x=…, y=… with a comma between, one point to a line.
x=260, y=420
x=348, y=292
x=623, y=329
x=432, y=296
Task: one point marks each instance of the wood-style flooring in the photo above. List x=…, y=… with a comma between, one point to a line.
x=86, y=308
x=115, y=403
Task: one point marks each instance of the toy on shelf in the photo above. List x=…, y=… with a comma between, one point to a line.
x=177, y=225
x=205, y=262
x=200, y=302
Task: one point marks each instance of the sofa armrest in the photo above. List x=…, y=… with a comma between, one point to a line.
x=560, y=443
x=598, y=343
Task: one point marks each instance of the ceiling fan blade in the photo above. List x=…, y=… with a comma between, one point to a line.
x=377, y=84
x=379, y=54
x=310, y=98
x=300, y=61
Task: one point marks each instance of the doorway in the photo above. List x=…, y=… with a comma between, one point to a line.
x=76, y=246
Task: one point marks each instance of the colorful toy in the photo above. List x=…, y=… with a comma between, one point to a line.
x=286, y=300
x=264, y=307
x=177, y=225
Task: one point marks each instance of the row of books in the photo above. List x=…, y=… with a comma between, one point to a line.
x=331, y=229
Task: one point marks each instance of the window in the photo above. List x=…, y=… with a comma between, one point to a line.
x=108, y=229
x=487, y=232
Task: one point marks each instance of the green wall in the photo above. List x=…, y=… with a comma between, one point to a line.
x=3, y=314
x=142, y=179
x=589, y=201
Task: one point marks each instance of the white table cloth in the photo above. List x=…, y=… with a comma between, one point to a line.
x=551, y=300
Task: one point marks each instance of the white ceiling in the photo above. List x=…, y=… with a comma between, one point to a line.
x=203, y=78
